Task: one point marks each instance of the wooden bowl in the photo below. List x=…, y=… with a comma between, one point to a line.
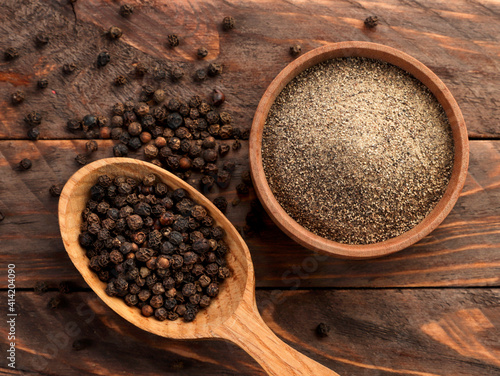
x=233, y=315
x=410, y=65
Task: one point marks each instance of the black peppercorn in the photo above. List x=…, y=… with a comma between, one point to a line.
x=120, y=150
x=295, y=50
x=228, y=23
x=120, y=80
x=33, y=118
x=41, y=39
x=207, y=182
x=322, y=330
x=140, y=69
x=236, y=145
x=81, y=344
x=371, y=22
x=115, y=32
x=214, y=69
x=34, y=134
x=18, y=97
x=11, y=53
x=102, y=59
x=201, y=53
x=159, y=74
x=25, y=164
x=223, y=149
x=126, y=10
x=218, y=97
x=118, y=109
x=81, y=159
x=242, y=189
x=56, y=189
x=173, y=40
x=68, y=68
x=221, y=203
x=177, y=73
x=42, y=83
x=200, y=74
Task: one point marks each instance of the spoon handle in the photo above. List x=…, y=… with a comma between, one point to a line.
x=247, y=329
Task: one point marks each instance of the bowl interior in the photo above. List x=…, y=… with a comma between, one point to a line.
x=71, y=204
x=420, y=72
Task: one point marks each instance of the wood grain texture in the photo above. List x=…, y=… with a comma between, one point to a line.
x=458, y=40
x=461, y=252
x=426, y=332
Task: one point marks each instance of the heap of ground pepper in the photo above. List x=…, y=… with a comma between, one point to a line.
x=155, y=247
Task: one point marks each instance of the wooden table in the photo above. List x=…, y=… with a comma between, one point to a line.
x=432, y=309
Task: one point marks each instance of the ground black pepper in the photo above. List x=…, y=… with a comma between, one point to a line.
x=363, y=168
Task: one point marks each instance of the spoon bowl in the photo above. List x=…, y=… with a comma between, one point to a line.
x=233, y=315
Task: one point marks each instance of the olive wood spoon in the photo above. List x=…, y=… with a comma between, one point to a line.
x=232, y=316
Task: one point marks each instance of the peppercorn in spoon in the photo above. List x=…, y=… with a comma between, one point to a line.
x=232, y=316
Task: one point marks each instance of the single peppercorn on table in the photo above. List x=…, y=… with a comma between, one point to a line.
x=431, y=309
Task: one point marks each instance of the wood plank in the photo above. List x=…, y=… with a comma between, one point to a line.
x=458, y=40
x=463, y=251
x=424, y=332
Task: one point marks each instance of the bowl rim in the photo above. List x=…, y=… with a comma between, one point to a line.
x=410, y=65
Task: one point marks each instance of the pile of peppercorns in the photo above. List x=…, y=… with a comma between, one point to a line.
x=154, y=247
x=180, y=136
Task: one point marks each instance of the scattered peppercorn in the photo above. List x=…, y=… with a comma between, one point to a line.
x=42, y=83
x=40, y=288
x=81, y=159
x=173, y=40
x=177, y=73
x=140, y=69
x=236, y=145
x=11, y=53
x=25, y=164
x=91, y=146
x=34, y=134
x=56, y=189
x=246, y=178
x=295, y=50
x=54, y=302
x=18, y=97
x=68, y=68
x=115, y=32
x=214, y=69
x=120, y=80
x=81, y=344
x=228, y=23
x=202, y=53
x=242, y=189
x=221, y=203
x=103, y=58
x=64, y=287
x=200, y=74
x=218, y=97
x=322, y=330
x=371, y=22
x=33, y=118
x=126, y=10
x=236, y=201
x=41, y=39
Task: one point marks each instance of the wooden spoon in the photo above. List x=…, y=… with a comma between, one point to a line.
x=232, y=316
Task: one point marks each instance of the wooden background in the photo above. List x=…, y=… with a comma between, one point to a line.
x=433, y=309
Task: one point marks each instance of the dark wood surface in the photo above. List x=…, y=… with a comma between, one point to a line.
x=432, y=309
